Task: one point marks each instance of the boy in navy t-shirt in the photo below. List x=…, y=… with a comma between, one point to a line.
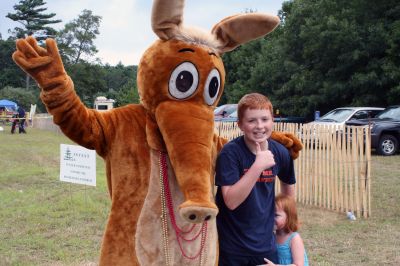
x=246, y=172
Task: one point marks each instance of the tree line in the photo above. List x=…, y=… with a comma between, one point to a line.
x=325, y=54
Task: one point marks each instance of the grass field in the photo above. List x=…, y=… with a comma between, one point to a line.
x=48, y=222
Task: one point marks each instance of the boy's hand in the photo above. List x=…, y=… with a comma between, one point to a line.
x=264, y=157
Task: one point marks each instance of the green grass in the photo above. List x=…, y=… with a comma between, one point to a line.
x=45, y=221
x=48, y=222
x=332, y=239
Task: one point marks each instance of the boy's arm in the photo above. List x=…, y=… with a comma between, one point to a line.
x=287, y=189
x=235, y=194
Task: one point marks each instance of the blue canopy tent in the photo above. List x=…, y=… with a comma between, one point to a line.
x=8, y=104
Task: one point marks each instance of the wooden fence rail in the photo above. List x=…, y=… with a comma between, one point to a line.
x=45, y=122
x=333, y=170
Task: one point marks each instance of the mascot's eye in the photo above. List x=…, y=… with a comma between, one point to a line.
x=212, y=87
x=184, y=80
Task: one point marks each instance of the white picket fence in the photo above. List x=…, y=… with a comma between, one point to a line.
x=333, y=170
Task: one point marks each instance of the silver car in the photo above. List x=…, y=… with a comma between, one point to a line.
x=340, y=116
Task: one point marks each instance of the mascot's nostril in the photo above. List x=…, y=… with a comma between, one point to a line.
x=208, y=217
x=192, y=217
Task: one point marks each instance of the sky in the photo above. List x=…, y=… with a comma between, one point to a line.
x=125, y=28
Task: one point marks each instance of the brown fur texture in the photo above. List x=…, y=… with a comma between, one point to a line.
x=290, y=141
x=125, y=137
x=130, y=138
x=149, y=243
x=242, y=28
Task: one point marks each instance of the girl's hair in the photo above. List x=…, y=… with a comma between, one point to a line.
x=288, y=205
x=253, y=101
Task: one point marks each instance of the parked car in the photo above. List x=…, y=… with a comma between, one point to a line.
x=232, y=117
x=385, y=130
x=340, y=116
x=224, y=111
x=336, y=120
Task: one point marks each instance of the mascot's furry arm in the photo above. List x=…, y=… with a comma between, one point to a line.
x=119, y=137
x=58, y=94
x=89, y=128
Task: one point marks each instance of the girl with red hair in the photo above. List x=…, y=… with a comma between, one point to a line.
x=289, y=244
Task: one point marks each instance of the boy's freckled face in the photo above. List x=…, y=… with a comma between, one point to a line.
x=256, y=124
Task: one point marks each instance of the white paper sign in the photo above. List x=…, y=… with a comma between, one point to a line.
x=77, y=165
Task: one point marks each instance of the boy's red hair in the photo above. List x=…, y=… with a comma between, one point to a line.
x=253, y=101
x=288, y=205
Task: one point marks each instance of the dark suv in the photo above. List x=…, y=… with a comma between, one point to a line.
x=385, y=130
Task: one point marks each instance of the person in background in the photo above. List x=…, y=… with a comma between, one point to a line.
x=289, y=243
x=21, y=115
x=246, y=171
x=19, y=119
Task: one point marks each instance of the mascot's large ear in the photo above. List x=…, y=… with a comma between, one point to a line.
x=167, y=17
x=238, y=29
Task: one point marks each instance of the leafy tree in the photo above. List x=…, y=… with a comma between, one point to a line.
x=117, y=76
x=127, y=94
x=30, y=14
x=121, y=84
x=10, y=73
x=88, y=80
x=325, y=54
x=238, y=65
x=338, y=52
x=76, y=39
x=20, y=95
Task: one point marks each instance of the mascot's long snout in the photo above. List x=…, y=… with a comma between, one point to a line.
x=187, y=129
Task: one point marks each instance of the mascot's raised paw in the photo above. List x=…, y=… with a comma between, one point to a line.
x=290, y=141
x=43, y=65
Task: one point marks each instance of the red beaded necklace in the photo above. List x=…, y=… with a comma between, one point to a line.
x=167, y=204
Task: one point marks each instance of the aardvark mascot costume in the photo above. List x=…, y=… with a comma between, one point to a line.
x=159, y=154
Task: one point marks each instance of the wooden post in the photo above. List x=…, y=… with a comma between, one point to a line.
x=323, y=167
x=368, y=180
x=362, y=171
x=351, y=161
x=346, y=170
x=341, y=169
x=356, y=161
x=306, y=132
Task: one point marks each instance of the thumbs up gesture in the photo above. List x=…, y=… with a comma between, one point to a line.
x=264, y=157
